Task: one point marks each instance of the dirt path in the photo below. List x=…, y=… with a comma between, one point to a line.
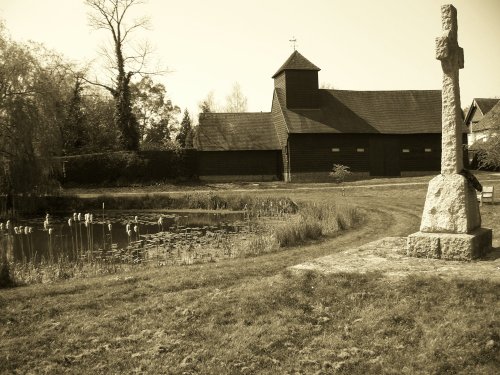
x=485, y=178
x=382, y=248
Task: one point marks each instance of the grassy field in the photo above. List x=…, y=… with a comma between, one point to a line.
x=254, y=316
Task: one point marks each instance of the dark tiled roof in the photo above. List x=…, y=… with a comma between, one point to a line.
x=387, y=112
x=490, y=120
x=236, y=131
x=485, y=104
x=296, y=62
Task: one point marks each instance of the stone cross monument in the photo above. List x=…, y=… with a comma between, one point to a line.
x=451, y=221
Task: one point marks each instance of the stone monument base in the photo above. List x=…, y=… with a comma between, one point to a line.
x=449, y=246
x=450, y=206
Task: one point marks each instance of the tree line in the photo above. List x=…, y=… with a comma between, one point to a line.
x=50, y=107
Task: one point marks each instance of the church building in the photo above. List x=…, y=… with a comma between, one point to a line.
x=375, y=133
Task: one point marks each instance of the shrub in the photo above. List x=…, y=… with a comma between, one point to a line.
x=339, y=173
x=488, y=152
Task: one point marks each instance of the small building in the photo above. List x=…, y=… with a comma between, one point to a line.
x=478, y=130
x=375, y=133
x=238, y=146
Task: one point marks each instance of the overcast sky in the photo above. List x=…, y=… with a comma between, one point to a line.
x=208, y=45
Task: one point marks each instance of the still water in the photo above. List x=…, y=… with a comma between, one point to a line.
x=31, y=239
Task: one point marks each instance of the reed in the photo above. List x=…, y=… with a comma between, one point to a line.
x=311, y=223
x=73, y=251
x=110, y=227
x=51, y=254
x=199, y=200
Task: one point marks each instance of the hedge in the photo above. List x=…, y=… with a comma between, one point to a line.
x=122, y=168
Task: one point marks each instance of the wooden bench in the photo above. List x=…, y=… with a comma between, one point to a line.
x=487, y=193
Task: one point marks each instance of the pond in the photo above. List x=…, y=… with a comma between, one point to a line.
x=125, y=236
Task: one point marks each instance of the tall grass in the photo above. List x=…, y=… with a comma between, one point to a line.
x=332, y=217
x=190, y=200
x=311, y=223
x=314, y=221
x=47, y=271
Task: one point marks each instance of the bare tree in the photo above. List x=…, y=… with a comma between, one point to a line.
x=326, y=86
x=236, y=101
x=113, y=16
x=208, y=104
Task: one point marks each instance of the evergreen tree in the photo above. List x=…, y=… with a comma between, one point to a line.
x=185, y=130
x=208, y=104
x=205, y=107
x=190, y=138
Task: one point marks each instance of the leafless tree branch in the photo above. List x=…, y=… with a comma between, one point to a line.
x=95, y=83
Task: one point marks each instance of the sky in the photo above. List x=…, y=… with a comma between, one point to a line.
x=208, y=45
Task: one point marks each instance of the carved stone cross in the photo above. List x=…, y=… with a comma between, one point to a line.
x=451, y=56
x=451, y=221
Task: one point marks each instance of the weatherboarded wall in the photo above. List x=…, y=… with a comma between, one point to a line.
x=255, y=165
x=301, y=89
x=281, y=131
x=312, y=156
x=420, y=152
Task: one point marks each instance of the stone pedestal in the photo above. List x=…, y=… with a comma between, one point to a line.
x=450, y=206
x=451, y=222
x=450, y=246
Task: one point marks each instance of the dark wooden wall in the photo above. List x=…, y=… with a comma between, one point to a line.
x=382, y=156
x=417, y=159
x=302, y=89
x=252, y=162
x=280, y=81
x=313, y=152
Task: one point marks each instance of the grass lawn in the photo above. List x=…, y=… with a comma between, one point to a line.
x=254, y=316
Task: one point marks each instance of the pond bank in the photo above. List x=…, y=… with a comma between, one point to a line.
x=267, y=226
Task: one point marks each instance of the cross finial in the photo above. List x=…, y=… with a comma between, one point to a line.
x=294, y=41
x=447, y=48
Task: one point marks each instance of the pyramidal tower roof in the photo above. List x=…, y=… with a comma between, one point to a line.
x=296, y=62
